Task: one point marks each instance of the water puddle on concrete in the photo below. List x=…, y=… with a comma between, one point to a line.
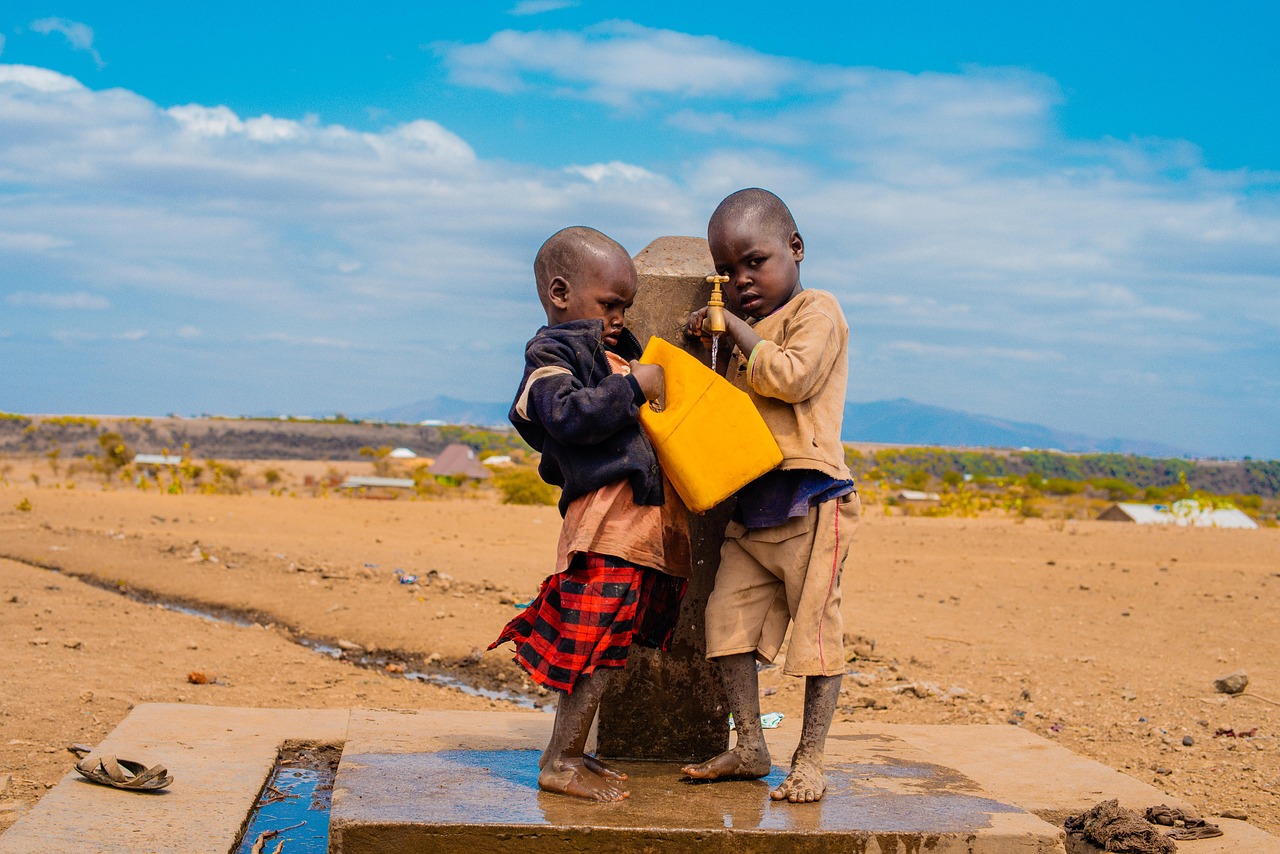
x=292, y=811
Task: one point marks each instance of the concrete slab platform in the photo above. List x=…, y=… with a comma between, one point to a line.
x=219, y=757
x=431, y=782
x=448, y=781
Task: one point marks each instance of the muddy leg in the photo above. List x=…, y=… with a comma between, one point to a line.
x=806, y=782
x=749, y=758
x=564, y=767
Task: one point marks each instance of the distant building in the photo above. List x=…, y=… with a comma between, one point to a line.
x=457, y=463
x=916, y=496
x=377, y=483
x=500, y=460
x=157, y=460
x=1187, y=513
x=402, y=454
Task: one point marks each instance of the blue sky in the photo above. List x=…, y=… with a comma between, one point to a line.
x=1065, y=214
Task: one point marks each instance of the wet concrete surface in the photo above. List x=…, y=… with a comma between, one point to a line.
x=466, y=781
x=422, y=789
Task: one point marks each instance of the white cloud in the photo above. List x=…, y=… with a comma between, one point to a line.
x=303, y=341
x=538, y=7
x=78, y=35
x=26, y=241
x=80, y=300
x=617, y=63
x=38, y=79
x=189, y=332
x=614, y=170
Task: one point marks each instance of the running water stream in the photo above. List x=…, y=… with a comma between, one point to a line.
x=715, y=349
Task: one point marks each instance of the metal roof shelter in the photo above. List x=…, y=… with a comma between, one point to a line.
x=377, y=483
x=1187, y=513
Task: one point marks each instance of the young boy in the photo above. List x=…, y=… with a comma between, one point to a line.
x=785, y=547
x=579, y=405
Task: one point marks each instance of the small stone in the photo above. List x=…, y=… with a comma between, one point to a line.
x=350, y=646
x=435, y=658
x=440, y=615
x=1232, y=683
x=73, y=644
x=394, y=667
x=39, y=642
x=1238, y=815
x=1187, y=741
x=86, y=696
x=1162, y=771
x=200, y=677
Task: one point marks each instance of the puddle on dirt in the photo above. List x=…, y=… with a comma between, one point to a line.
x=292, y=810
x=373, y=662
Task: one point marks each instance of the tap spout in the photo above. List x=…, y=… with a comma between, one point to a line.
x=714, y=322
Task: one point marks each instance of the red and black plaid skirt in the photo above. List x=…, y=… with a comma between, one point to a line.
x=589, y=615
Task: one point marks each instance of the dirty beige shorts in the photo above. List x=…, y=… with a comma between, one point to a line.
x=769, y=577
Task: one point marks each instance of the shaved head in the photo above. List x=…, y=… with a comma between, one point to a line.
x=760, y=207
x=567, y=251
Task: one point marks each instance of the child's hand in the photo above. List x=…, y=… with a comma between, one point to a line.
x=652, y=380
x=693, y=329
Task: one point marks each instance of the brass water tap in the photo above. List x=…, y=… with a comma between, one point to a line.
x=714, y=322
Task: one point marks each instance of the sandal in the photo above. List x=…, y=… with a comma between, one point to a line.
x=123, y=774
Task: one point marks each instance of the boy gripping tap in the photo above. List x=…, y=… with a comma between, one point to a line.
x=785, y=547
x=621, y=567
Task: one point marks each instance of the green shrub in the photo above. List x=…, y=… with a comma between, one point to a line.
x=524, y=486
x=1062, y=486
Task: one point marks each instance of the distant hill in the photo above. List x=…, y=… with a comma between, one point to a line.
x=450, y=410
x=906, y=422
x=892, y=422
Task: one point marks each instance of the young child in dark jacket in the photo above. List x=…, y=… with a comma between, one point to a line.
x=620, y=571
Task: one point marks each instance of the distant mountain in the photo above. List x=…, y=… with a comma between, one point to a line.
x=890, y=422
x=450, y=410
x=906, y=422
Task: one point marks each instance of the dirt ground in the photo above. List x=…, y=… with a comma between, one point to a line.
x=1104, y=637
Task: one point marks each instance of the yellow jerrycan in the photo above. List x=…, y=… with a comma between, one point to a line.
x=710, y=439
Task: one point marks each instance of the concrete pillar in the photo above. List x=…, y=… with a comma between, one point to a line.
x=671, y=706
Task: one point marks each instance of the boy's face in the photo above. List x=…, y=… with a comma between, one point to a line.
x=763, y=268
x=604, y=287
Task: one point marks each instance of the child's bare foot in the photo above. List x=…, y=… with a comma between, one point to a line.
x=805, y=784
x=572, y=777
x=735, y=764
x=598, y=766
x=594, y=764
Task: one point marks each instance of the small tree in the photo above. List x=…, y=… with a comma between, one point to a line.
x=524, y=486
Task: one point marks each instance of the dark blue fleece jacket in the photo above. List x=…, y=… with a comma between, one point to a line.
x=582, y=417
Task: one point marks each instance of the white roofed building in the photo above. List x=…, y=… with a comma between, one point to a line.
x=1187, y=513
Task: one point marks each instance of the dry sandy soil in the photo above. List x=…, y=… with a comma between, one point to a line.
x=1101, y=636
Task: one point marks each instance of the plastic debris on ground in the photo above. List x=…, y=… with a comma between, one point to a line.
x=769, y=720
x=404, y=578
